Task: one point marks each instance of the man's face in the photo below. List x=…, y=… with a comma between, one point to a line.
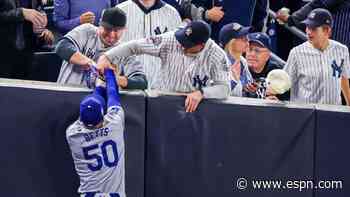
x=193, y=51
x=318, y=36
x=257, y=56
x=110, y=36
x=240, y=44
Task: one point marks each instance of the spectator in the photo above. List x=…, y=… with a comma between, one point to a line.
x=84, y=44
x=149, y=18
x=233, y=38
x=219, y=12
x=319, y=68
x=341, y=13
x=22, y=30
x=69, y=14
x=260, y=64
x=192, y=64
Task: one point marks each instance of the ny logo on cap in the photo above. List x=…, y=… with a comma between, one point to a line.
x=237, y=26
x=257, y=36
x=312, y=15
x=188, y=31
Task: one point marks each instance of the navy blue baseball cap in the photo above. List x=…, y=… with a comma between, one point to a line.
x=196, y=32
x=232, y=30
x=92, y=110
x=261, y=38
x=318, y=17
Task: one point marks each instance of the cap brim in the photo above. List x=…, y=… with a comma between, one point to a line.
x=183, y=40
x=259, y=43
x=310, y=23
x=109, y=26
x=245, y=31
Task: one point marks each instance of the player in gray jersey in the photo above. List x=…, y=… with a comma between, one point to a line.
x=81, y=47
x=148, y=18
x=319, y=68
x=96, y=141
x=191, y=62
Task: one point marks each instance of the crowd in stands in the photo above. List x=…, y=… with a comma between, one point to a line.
x=84, y=30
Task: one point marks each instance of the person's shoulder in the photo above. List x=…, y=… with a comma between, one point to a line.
x=115, y=114
x=301, y=48
x=338, y=45
x=169, y=8
x=86, y=27
x=125, y=4
x=214, y=48
x=75, y=128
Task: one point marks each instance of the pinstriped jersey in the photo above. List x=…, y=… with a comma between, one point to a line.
x=86, y=39
x=316, y=75
x=179, y=72
x=98, y=154
x=144, y=24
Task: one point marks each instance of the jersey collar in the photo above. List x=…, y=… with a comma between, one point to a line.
x=157, y=5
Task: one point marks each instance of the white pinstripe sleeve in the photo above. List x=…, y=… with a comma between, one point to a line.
x=291, y=66
x=150, y=46
x=346, y=72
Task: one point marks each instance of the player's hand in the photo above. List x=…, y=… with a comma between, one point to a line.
x=192, y=101
x=215, y=14
x=122, y=81
x=87, y=17
x=87, y=63
x=251, y=87
x=282, y=16
x=48, y=37
x=38, y=19
x=103, y=63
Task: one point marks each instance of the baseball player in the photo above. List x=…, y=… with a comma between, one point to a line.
x=192, y=63
x=96, y=141
x=147, y=18
x=81, y=47
x=319, y=68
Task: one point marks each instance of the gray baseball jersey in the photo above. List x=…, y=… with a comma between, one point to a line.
x=98, y=154
x=143, y=23
x=179, y=72
x=86, y=39
x=316, y=75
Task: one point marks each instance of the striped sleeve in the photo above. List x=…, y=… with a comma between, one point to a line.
x=346, y=72
x=291, y=66
x=150, y=46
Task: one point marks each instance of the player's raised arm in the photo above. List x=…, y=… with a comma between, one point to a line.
x=112, y=89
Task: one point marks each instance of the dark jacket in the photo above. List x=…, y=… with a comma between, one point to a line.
x=11, y=16
x=195, y=9
x=258, y=77
x=341, y=13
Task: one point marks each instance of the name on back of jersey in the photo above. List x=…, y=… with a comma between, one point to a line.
x=101, y=132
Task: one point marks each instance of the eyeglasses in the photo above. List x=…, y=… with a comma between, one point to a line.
x=257, y=50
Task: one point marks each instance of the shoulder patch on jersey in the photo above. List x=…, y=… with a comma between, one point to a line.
x=156, y=40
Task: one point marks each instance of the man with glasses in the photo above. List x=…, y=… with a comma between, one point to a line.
x=260, y=64
x=82, y=46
